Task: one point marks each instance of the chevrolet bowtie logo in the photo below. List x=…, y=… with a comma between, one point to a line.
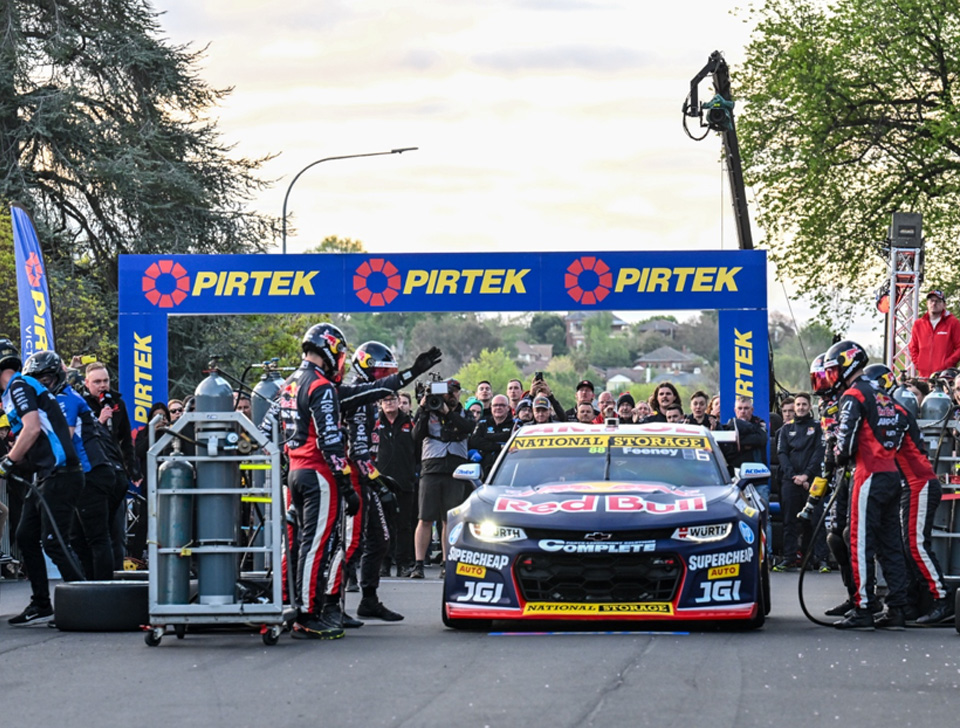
x=598, y=536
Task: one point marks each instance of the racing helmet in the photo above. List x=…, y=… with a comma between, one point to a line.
x=330, y=344
x=818, y=378
x=842, y=360
x=373, y=360
x=9, y=355
x=45, y=363
x=882, y=376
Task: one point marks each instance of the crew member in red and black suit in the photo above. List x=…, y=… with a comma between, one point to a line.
x=868, y=435
x=918, y=505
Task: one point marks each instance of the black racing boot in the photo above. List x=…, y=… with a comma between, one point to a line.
x=859, y=619
x=943, y=610
x=891, y=618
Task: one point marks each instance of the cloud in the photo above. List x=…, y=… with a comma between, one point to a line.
x=563, y=58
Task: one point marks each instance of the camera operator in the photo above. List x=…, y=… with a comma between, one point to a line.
x=111, y=414
x=43, y=448
x=493, y=431
x=441, y=432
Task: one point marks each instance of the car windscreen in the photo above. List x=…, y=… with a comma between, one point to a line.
x=673, y=459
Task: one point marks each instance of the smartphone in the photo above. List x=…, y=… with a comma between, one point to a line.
x=538, y=377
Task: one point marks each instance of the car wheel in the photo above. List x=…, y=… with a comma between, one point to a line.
x=763, y=595
x=765, y=586
x=101, y=606
x=473, y=625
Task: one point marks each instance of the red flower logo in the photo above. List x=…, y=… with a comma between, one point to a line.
x=166, y=284
x=588, y=280
x=376, y=282
x=34, y=270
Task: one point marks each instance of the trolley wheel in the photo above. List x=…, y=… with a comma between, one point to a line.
x=271, y=635
x=153, y=636
x=181, y=631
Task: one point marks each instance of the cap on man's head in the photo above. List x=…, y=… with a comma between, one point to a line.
x=454, y=384
x=585, y=383
x=936, y=293
x=541, y=402
x=525, y=402
x=626, y=397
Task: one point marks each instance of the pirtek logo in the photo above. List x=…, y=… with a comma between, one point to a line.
x=34, y=270
x=377, y=282
x=166, y=284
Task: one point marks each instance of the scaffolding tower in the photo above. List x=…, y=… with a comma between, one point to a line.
x=906, y=275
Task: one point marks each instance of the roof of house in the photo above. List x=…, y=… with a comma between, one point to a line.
x=665, y=354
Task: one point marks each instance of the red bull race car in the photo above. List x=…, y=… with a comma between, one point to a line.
x=609, y=523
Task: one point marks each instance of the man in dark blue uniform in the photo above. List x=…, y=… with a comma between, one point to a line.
x=43, y=448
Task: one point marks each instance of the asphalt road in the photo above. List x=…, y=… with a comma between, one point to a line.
x=417, y=673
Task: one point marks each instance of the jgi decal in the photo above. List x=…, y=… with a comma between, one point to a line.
x=719, y=591
x=724, y=558
x=596, y=547
x=482, y=592
x=478, y=558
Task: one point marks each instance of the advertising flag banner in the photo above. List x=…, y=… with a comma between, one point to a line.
x=36, y=318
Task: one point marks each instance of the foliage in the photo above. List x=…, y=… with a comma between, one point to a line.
x=548, y=328
x=105, y=139
x=461, y=336
x=601, y=348
x=851, y=114
x=495, y=366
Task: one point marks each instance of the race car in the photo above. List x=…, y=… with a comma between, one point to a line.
x=609, y=522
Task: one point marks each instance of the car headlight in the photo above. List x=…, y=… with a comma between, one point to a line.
x=492, y=533
x=703, y=534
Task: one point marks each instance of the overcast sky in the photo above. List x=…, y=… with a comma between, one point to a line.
x=541, y=124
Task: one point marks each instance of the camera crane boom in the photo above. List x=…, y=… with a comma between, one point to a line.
x=719, y=118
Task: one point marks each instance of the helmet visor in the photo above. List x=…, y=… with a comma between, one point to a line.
x=818, y=382
x=832, y=375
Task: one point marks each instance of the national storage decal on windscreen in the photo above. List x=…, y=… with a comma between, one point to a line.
x=191, y=284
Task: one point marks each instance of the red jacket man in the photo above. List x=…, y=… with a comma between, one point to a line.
x=935, y=339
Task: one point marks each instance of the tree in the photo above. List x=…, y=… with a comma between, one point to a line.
x=495, y=366
x=850, y=115
x=549, y=328
x=461, y=336
x=105, y=139
x=603, y=349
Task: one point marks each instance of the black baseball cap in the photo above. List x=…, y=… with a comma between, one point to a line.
x=585, y=383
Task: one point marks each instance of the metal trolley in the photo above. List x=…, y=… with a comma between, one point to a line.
x=946, y=525
x=229, y=443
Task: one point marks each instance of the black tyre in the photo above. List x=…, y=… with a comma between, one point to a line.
x=474, y=625
x=128, y=575
x=956, y=603
x=765, y=580
x=101, y=606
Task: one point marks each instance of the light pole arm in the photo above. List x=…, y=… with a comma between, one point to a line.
x=286, y=197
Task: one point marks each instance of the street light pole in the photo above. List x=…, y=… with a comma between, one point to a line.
x=329, y=159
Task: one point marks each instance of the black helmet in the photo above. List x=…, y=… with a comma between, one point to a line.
x=9, y=355
x=329, y=342
x=818, y=378
x=842, y=360
x=373, y=360
x=46, y=363
x=882, y=376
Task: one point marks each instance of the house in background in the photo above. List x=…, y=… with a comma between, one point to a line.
x=668, y=358
x=533, y=357
x=664, y=327
x=574, y=323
